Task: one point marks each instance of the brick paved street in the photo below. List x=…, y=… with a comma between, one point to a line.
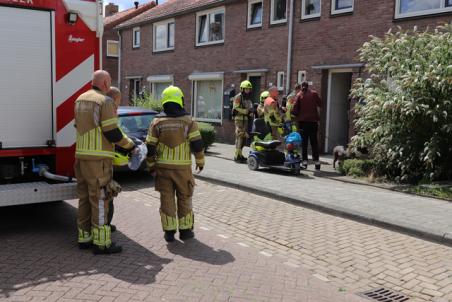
x=248, y=248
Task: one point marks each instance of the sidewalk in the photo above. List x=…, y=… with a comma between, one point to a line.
x=420, y=216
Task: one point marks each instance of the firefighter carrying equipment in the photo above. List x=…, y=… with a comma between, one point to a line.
x=97, y=132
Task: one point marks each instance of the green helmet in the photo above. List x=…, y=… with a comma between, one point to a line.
x=246, y=85
x=264, y=95
x=173, y=94
x=120, y=159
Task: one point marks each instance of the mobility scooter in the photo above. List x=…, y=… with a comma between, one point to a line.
x=264, y=152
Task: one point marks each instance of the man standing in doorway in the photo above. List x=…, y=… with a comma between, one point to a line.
x=307, y=112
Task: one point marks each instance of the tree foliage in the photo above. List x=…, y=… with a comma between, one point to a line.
x=405, y=112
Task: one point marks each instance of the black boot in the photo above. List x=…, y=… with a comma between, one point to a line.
x=112, y=228
x=317, y=165
x=112, y=249
x=169, y=236
x=186, y=234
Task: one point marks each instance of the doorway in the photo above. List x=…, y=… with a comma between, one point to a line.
x=337, y=120
x=256, y=82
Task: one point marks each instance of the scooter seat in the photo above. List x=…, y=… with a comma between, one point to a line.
x=268, y=144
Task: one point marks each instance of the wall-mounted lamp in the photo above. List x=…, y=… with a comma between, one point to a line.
x=72, y=17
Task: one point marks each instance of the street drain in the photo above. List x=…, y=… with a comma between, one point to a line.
x=384, y=295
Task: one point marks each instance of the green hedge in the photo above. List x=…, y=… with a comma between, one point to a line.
x=207, y=133
x=356, y=167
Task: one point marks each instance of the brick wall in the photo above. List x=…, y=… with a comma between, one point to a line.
x=110, y=64
x=327, y=40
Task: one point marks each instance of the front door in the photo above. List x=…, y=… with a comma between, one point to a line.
x=337, y=111
x=256, y=82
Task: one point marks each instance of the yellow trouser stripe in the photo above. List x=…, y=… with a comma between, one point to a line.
x=168, y=223
x=186, y=222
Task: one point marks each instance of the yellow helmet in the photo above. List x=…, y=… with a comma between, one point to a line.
x=246, y=85
x=173, y=94
x=120, y=159
x=264, y=95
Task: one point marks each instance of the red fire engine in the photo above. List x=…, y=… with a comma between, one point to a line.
x=48, y=51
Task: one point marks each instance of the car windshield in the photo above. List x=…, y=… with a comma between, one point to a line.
x=135, y=123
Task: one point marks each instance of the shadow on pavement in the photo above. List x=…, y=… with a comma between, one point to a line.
x=198, y=251
x=39, y=245
x=133, y=180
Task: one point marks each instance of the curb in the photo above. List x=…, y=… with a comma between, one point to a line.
x=346, y=180
x=416, y=231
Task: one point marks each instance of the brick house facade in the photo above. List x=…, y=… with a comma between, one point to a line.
x=110, y=38
x=324, y=51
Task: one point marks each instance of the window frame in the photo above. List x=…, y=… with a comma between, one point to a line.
x=195, y=78
x=154, y=30
x=280, y=83
x=335, y=11
x=442, y=9
x=304, y=16
x=109, y=54
x=302, y=76
x=250, y=6
x=220, y=9
x=272, y=13
x=134, y=42
x=158, y=79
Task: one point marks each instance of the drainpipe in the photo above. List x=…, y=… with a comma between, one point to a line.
x=119, y=59
x=289, y=46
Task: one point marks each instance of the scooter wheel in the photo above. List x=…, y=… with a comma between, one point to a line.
x=253, y=163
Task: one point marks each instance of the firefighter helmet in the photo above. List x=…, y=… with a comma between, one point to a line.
x=246, y=85
x=120, y=159
x=173, y=94
x=264, y=95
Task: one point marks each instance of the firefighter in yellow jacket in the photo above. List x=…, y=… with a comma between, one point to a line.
x=242, y=110
x=96, y=123
x=171, y=139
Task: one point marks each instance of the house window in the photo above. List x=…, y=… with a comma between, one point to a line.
x=158, y=84
x=112, y=48
x=280, y=80
x=278, y=11
x=341, y=6
x=207, y=96
x=210, y=27
x=310, y=9
x=164, y=35
x=410, y=8
x=136, y=37
x=302, y=76
x=254, y=13
x=135, y=88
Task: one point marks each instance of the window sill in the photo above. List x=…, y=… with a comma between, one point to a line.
x=253, y=28
x=156, y=52
x=423, y=16
x=341, y=14
x=277, y=24
x=209, y=44
x=207, y=120
x=112, y=57
x=317, y=18
x=135, y=47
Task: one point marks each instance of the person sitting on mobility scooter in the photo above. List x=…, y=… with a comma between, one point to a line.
x=264, y=149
